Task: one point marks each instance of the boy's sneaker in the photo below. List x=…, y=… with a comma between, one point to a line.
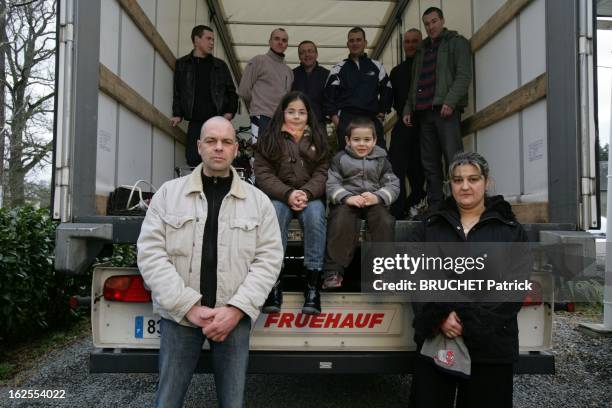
x=332, y=281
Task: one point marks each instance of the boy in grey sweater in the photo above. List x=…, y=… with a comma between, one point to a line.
x=360, y=184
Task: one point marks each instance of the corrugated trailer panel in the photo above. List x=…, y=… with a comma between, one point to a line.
x=535, y=156
x=110, y=20
x=167, y=17
x=532, y=41
x=106, y=160
x=186, y=23
x=516, y=146
x=162, y=163
x=148, y=6
x=129, y=148
x=202, y=13
x=483, y=10
x=133, y=149
x=424, y=4
x=136, y=58
x=499, y=143
x=162, y=86
x=496, y=67
x=458, y=16
x=469, y=142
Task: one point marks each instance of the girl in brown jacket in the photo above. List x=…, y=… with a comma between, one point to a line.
x=291, y=162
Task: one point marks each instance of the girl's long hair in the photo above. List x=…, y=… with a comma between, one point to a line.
x=269, y=143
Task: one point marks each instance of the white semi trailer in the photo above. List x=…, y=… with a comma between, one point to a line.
x=531, y=114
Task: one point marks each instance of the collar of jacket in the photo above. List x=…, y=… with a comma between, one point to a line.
x=495, y=208
x=301, y=67
x=275, y=56
x=194, y=183
x=444, y=36
x=294, y=132
x=289, y=136
x=193, y=57
x=361, y=57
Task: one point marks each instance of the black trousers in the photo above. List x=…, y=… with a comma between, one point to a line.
x=343, y=227
x=405, y=158
x=440, y=137
x=490, y=385
x=191, y=150
x=345, y=119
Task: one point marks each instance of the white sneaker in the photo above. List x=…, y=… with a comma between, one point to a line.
x=418, y=208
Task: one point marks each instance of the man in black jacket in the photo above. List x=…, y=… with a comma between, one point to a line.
x=310, y=77
x=357, y=86
x=203, y=88
x=405, y=150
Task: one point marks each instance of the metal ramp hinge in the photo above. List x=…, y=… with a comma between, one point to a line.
x=66, y=33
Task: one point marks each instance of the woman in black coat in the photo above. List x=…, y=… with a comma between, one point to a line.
x=489, y=330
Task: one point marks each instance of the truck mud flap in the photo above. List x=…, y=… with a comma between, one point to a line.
x=279, y=362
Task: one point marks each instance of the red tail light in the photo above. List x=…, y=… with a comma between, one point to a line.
x=126, y=288
x=534, y=297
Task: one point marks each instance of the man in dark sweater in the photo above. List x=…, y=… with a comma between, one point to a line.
x=203, y=88
x=310, y=77
x=441, y=75
x=405, y=150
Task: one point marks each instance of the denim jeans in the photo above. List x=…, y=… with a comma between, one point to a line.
x=314, y=224
x=179, y=354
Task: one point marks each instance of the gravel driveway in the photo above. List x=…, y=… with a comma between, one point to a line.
x=583, y=379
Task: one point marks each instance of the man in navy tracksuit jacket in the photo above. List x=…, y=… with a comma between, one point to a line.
x=357, y=86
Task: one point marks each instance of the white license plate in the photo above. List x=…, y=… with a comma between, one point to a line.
x=147, y=327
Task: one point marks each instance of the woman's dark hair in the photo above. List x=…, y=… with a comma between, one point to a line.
x=471, y=158
x=268, y=144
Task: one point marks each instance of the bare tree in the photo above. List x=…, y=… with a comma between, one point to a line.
x=30, y=71
x=3, y=48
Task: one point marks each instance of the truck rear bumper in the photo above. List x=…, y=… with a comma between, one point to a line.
x=279, y=362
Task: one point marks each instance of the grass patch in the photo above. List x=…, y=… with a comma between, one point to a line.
x=589, y=309
x=5, y=369
x=23, y=355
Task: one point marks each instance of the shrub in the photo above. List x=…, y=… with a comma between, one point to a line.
x=32, y=295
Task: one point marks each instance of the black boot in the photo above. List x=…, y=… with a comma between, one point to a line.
x=312, y=297
x=275, y=299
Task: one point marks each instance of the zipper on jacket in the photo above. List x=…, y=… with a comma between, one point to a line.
x=195, y=228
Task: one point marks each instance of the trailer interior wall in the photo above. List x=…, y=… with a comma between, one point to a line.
x=324, y=22
x=516, y=147
x=129, y=148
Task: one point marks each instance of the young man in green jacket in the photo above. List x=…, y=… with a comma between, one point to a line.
x=442, y=71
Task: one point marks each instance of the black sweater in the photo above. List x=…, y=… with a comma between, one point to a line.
x=215, y=189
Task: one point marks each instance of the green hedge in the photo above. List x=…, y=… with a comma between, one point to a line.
x=32, y=296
